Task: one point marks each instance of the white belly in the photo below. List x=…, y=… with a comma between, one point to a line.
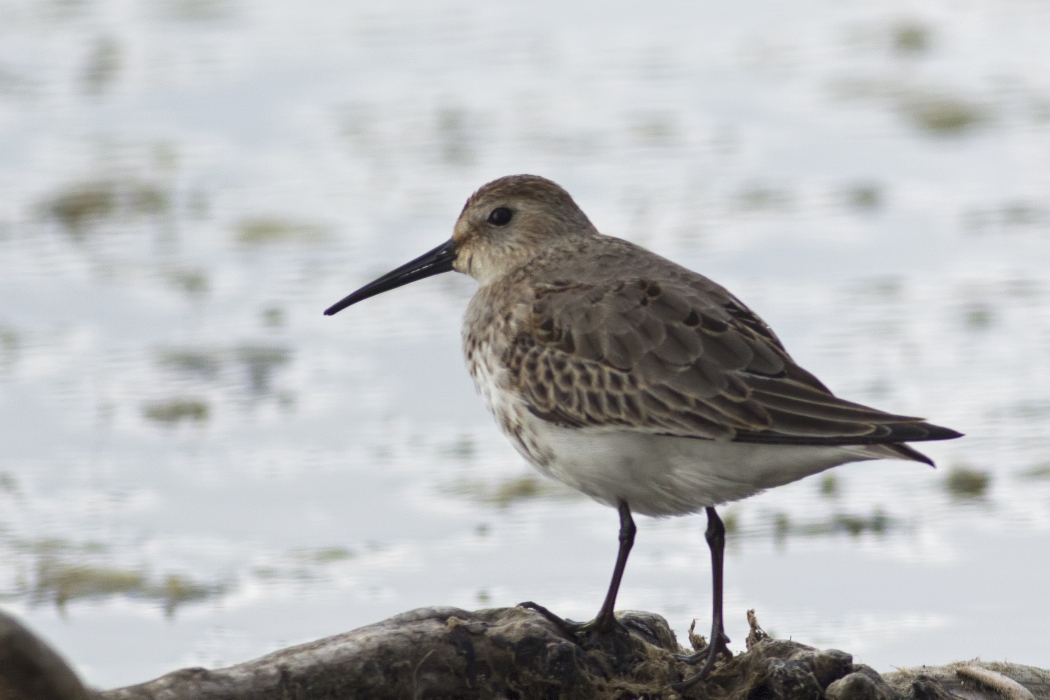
x=656, y=474
x=662, y=475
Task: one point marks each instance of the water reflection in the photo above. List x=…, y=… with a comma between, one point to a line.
x=190, y=453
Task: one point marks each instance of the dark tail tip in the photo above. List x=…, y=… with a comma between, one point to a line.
x=938, y=433
x=912, y=454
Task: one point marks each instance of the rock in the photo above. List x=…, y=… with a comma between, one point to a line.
x=830, y=665
x=925, y=688
x=30, y=670
x=886, y=692
x=448, y=653
x=790, y=680
x=443, y=653
x=781, y=669
x=972, y=679
x=859, y=686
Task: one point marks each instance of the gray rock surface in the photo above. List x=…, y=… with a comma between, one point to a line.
x=972, y=680
x=448, y=653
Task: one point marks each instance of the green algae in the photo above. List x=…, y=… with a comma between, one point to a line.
x=177, y=410
x=273, y=230
x=965, y=482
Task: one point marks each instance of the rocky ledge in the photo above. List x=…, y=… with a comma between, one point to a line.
x=448, y=653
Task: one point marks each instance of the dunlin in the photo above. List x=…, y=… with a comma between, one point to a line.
x=642, y=384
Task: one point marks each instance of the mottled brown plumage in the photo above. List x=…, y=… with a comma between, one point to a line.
x=594, y=331
x=638, y=382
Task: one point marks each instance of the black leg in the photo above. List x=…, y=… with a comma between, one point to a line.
x=718, y=643
x=606, y=620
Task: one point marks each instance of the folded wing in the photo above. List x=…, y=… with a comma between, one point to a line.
x=685, y=360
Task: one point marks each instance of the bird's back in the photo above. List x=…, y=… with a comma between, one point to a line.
x=595, y=332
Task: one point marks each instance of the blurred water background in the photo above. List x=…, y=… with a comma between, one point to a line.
x=197, y=467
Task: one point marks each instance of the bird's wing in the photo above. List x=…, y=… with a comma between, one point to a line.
x=680, y=359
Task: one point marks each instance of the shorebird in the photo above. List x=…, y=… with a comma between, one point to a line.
x=640, y=383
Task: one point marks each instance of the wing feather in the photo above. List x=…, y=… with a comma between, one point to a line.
x=681, y=358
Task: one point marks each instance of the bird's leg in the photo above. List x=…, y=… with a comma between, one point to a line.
x=718, y=643
x=606, y=621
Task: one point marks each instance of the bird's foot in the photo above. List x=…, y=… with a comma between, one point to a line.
x=568, y=627
x=719, y=646
x=603, y=625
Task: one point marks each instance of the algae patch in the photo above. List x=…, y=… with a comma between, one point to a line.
x=965, y=482
x=863, y=197
x=943, y=114
x=261, y=361
x=978, y=317
x=911, y=38
x=325, y=555
x=177, y=410
x=102, y=66
x=193, y=283
x=201, y=363
x=9, y=345
x=878, y=523
x=82, y=205
x=760, y=198
x=304, y=564
x=273, y=230
x=507, y=492
x=176, y=590
x=1039, y=471
x=829, y=486
x=61, y=582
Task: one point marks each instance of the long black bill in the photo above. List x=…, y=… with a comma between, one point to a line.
x=426, y=265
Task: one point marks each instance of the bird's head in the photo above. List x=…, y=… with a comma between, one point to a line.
x=502, y=226
x=508, y=220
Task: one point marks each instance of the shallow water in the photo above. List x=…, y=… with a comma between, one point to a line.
x=197, y=467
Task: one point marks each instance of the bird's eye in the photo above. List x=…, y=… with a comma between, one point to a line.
x=500, y=216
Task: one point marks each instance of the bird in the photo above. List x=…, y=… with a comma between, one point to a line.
x=634, y=380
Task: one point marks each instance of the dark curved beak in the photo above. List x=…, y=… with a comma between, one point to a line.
x=426, y=265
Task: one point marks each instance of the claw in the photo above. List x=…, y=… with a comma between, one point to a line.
x=691, y=659
x=570, y=628
x=719, y=646
x=574, y=630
